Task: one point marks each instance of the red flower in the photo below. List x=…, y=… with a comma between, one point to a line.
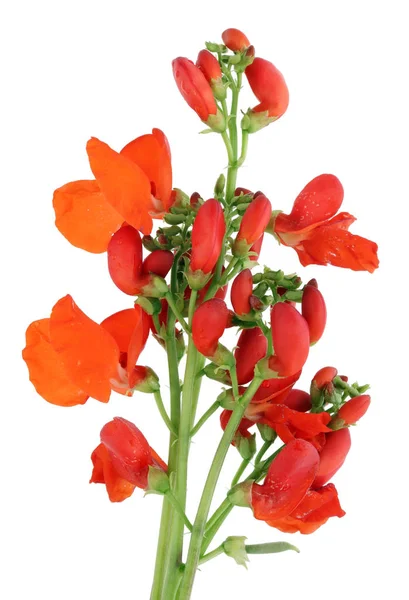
x=271, y=91
x=314, y=311
x=314, y=510
x=241, y=290
x=333, y=455
x=70, y=357
x=251, y=347
x=134, y=186
x=253, y=224
x=291, y=340
x=208, y=325
x=158, y=262
x=208, y=232
x=276, y=389
x=122, y=460
x=235, y=40
x=321, y=237
x=288, y=479
x=197, y=92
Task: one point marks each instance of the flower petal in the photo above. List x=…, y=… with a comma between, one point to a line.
x=123, y=183
x=84, y=217
x=46, y=369
x=151, y=153
x=88, y=352
x=103, y=472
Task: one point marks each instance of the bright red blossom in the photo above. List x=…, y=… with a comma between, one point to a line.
x=314, y=311
x=291, y=340
x=251, y=347
x=321, y=237
x=235, y=39
x=333, y=455
x=207, y=236
x=208, y=325
x=241, y=291
x=269, y=87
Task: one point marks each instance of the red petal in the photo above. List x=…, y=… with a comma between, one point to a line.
x=104, y=472
x=291, y=339
x=333, y=455
x=88, y=352
x=121, y=326
x=46, y=368
x=251, y=347
x=314, y=312
x=124, y=184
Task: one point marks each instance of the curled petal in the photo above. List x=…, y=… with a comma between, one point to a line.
x=84, y=217
x=194, y=88
x=251, y=347
x=46, y=368
x=290, y=424
x=151, y=153
x=241, y=290
x=125, y=260
x=313, y=511
x=87, y=351
x=269, y=87
x=104, y=471
x=291, y=339
x=124, y=184
x=208, y=232
x=121, y=326
x=288, y=479
x=208, y=325
x=255, y=220
x=333, y=455
x=158, y=262
x=275, y=389
x=314, y=311
x=316, y=203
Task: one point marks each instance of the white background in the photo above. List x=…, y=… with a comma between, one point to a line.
x=80, y=68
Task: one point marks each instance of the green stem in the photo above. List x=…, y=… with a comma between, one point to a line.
x=166, y=561
x=163, y=413
x=176, y=312
x=216, y=552
x=177, y=506
x=210, y=411
x=261, y=452
x=234, y=381
x=243, y=466
x=199, y=525
x=244, y=147
x=228, y=145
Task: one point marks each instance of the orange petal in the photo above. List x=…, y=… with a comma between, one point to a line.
x=103, y=472
x=138, y=339
x=151, y=153
x=121, y=326
x=46, y=369
x=88, y=352
x=84, y=217
x=123, y=183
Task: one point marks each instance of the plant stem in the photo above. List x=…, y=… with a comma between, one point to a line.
x=163, y=413
x=216, y=552
x=166, y=561
x=261, y=452
x=199, y=525
x=243, y=466
x=210, y=411
x=176, y=505
x=176, y=312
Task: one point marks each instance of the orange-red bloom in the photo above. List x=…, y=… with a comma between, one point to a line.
x=291, y=340
x=354, y=409
x=208, y=232
x=241, y=290
x=208, y=325
x=253, y=224
x=70, y=357
x=122, y=460
x=251, y=347
x=332, y=455
x=319, y=235
x=314, y=510
x=270, y=89
x=314, y=311
x=133, y=185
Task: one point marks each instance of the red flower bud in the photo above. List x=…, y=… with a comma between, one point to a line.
x=125, y=260
x=256, y=248
x=324, y=377
x=333, y=455
x=158, y=262
x=354, y=409
x=287, y=481
x=291, y=340
x=251, y=347
x=253, y=224
x=314, y=312
x=197, y=92
x=208, y=232
x=208, y=325
x=210, y=68
x=269, y=87
x=241, y=291
x=235, y=40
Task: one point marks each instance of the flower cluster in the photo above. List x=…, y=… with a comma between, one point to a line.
x=191, y=278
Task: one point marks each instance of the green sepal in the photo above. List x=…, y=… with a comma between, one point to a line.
x=240, y=494
x=235, y=547
x=267, y=433
x=158, y=481
x=152, y=306
x=247, y=446
x=216, y=48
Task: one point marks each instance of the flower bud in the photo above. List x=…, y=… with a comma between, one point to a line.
x=351, y=411
x=322, y=387
x=333, y=455
x=210, y=68
x=125, y=260
x=270, y=89
x=143, y=379
x=314, y=311
x=208, y=325
x=241, y=291
x=251, y=347
x=235, y=40
x=208, y=232
x=197, y=92
x=291, y=340
x=158, y=262
x=253, y=224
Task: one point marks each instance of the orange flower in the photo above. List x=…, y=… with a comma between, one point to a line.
x=319, y=235
x=70, y=357
x=133, y=185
